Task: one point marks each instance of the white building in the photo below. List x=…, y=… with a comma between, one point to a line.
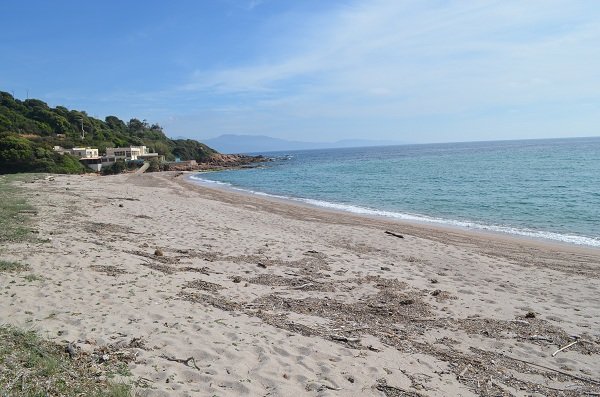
x=90, y=157
x=129, y=153
x=81, y=152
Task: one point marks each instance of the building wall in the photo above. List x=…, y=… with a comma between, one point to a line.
x=127, y=153
x=84, y=152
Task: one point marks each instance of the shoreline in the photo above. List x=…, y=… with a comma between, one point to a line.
x=433, y=226
x=272, y=298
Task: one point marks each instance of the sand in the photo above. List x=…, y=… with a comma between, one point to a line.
x=275, y=299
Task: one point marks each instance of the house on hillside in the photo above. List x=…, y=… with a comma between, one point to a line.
x=87, y=156
x=90, y=157
x=130, y=153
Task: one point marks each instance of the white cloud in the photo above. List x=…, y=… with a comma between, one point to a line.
x=406, y=59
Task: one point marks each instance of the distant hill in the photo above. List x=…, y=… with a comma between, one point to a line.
x=259, y=143
x=30, y=128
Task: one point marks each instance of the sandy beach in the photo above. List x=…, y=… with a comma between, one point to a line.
x=207, y=292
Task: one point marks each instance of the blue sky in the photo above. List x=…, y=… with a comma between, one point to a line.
x=313, y=70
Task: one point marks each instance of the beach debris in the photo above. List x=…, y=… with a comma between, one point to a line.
x=385, y=268
x=539, y=337
x=303, y=286
x=436, y=292
x=581, y=378
x=463, y=372
x=393, y=234
x=342, y=338
x=391, y=391
x=109, y=270
x=71, y=349
x=236, y=279
x=203, y=285
x=261, y=265
x=158, y=252
x=433, y=281
x=297, y=282
x=185, y=361
x=530, y=315
x=564, y=347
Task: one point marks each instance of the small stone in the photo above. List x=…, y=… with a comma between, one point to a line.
x=387, y=269
x=436, y=292
x=530, y=315
x=237, y=279
x=158, y=252
x=286, y=376
x=407, y=302
x=261, y=265
x=433, y=281
x=350, y=379
x=121, y=205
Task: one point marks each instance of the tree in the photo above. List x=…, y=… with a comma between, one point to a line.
x=16, y=153
x=154, y=165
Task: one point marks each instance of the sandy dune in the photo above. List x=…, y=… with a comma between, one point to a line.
x=272, y=299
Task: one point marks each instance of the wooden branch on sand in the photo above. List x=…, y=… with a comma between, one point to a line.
x=563, y=348
x=394, y=234
x=581, y=378
x=185, y=362
x=303, y=286
x=342, y=338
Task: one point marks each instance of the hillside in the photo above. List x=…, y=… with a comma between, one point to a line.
x=30, y=128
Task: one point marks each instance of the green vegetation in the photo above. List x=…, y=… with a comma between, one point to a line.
x=14, y=212
x=12, y=267
x=33, y=277
x=31, y=366
x=29, y=129
x=116, y=168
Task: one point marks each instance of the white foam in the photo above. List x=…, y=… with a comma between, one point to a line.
x=538, y=234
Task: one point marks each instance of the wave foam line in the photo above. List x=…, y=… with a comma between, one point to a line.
x=566, y=238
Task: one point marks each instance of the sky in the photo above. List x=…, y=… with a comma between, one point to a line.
x=313, y=70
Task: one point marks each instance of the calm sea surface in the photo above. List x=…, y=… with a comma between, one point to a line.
x=539, y=188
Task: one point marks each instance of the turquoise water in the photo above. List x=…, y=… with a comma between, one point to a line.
x=540, y=188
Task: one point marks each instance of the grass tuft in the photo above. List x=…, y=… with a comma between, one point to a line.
x=12, y=267
x=15, y=212
x=32, y=366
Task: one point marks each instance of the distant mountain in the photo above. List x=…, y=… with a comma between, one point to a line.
x=230, y=143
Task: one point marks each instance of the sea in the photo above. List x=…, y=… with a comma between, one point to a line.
x=544, y=189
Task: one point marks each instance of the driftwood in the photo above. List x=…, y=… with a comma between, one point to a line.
x=185, y=362
x=563, y=348
x=394, y=234
x=351, y=329
x=539, y=337
x=303, y=286
x=581, y=378
x=343, y=338
x=464, y=371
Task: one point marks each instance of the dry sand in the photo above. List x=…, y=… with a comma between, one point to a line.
x=274, y=299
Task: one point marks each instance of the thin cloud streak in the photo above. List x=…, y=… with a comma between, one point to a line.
x=376, y=50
